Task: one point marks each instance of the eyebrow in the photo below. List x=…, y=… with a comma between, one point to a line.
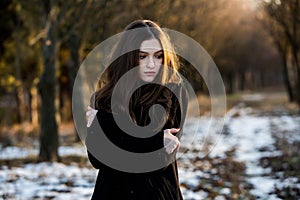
x=160, y=51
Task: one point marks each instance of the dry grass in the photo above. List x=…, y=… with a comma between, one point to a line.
x=262, y=101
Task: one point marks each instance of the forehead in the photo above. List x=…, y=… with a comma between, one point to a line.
x=151, y=45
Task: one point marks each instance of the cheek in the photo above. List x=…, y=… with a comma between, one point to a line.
x=142, y=63
x=140, y=71
x=158, y=69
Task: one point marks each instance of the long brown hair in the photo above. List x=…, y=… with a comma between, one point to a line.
x=125, y=56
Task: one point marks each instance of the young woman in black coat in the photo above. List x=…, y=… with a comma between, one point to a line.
x=132, y=142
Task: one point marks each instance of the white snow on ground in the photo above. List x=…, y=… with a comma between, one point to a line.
x=46, y=180
x=263, y=185
x=290, y=127
x=251, y=136
x=246, y=133
x=12, y=152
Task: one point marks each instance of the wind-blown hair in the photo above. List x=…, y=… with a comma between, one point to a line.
x=125, y=56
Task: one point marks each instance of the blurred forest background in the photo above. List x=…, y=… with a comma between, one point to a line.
x=255, y=44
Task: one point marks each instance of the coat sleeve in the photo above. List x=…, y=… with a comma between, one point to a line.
x=130, y=143
x=181, y=105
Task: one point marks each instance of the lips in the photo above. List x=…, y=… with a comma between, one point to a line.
x=149, y=73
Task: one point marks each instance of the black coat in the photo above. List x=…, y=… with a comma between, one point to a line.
x=161, y=184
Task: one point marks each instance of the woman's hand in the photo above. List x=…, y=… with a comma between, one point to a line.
x=90, y=114
x=171, y=142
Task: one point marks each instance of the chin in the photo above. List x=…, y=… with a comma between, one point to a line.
x=148, y=80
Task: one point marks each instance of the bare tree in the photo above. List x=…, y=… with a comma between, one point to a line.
x=47, y=85
x=284, y=26
x=65, y=22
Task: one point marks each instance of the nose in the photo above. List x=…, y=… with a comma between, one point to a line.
x=150, y=63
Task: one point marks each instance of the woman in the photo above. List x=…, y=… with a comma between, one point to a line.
x=145, y=51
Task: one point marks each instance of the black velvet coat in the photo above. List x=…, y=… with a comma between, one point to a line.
x=161, y=184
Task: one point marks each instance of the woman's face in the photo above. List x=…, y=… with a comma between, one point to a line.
x=150, y=59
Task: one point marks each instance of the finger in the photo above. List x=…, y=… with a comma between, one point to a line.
x=88, y=124
x=89, y=119
x=172, y=145
x=91, y=113
x=88, y=113
x=92, y=109
x=167, y=131
x=171, y=148
x=174, y=130
x=175, y=147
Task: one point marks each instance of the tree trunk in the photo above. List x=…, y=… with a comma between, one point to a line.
x=18, y=83
x=29, y=106
x=298, y=88
x=73, y=68
x=286, y=79
x=18, y=109
x=242, y=81
x=262, y=82
x=294, y=42
x=230, y=83
x=47, y=89
x=295, y=52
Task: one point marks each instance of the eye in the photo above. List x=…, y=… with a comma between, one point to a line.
x=159, y=56
x=142, y=56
